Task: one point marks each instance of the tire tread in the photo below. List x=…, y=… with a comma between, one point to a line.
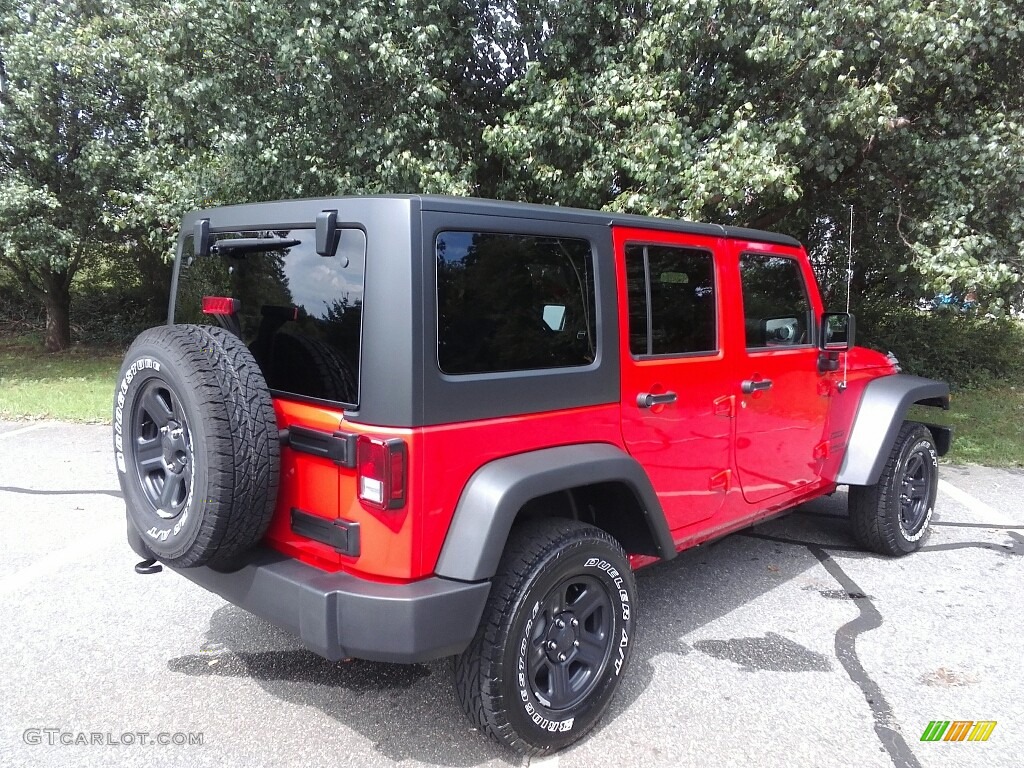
x=477, y=671
x=870, y=505
x=242, y=447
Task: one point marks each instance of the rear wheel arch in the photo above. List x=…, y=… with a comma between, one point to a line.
x=596, y=483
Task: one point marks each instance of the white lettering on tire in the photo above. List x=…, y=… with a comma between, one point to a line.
x=143, y=363
x=931, y=508
x=616, y=577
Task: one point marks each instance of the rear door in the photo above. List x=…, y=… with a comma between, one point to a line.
x=675, y=406
x=783, y=403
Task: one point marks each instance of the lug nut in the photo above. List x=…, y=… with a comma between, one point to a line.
x=552, y=644
x=559, y=623
x=575, y=622
x=576, y=643
x=561, y=657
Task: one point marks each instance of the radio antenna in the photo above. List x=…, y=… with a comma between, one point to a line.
x=849, y=283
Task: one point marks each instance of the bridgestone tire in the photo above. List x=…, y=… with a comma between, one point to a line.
x=196, y=445
x=523, y=680
x=892, y=517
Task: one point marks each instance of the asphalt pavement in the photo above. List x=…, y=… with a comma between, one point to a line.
x=779, y=646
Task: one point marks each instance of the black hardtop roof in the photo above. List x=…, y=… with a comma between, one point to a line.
x=265, y=212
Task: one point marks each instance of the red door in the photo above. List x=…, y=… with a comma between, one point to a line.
x=783, y=403
x=675, y=406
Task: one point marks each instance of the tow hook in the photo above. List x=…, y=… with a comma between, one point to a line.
x=146, y=567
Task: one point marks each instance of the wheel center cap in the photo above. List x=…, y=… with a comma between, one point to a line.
x=172, y=440
x=562, y=637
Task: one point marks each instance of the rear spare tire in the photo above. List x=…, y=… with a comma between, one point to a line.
x=196, y=444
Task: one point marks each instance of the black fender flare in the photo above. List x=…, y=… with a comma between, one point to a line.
x=883, y=407
x=498, y=490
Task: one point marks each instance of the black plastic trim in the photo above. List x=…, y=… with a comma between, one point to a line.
x=201, y=238
x=338, y=615
x=449, y=398
x=484, y=207
x=942, y=435
x=252, y=244
x=343, y=535
x=339, y=447
x=401, y=381
x=880, y=414
x=327, y=234
x=497, y=492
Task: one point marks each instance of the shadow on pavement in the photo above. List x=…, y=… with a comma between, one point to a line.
x=410, y=711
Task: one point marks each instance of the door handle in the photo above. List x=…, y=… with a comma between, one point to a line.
x=648, y=400
x=749, y=385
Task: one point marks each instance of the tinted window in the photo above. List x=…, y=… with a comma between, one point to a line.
x=513, y=302
x=671, y=293
x=775, y=306
x=299, y=312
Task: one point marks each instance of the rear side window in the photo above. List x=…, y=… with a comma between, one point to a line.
x=776, y=311
x=299, y=313
x=672, y=304
x=508, y=302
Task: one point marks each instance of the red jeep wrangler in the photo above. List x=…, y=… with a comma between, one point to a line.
x=413, y=427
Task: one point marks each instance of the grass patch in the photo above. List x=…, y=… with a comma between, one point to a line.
x=76, y=385
x=988, y=425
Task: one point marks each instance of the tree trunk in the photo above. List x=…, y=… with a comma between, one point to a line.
x=156, y=284
x=58, y=312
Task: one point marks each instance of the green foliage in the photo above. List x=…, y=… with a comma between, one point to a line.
x=71, y=131
x=965, y=350
x=778, y=114
x=988, y=424
x=322, y=98
x=115, y=118
x=75, y=386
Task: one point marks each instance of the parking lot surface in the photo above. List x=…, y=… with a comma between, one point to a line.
x=779, y=646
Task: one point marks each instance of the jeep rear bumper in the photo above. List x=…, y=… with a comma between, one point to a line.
x=339, y=616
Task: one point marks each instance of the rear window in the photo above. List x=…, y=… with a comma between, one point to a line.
x=671, y=292
x=509, y=302
x=299, y=313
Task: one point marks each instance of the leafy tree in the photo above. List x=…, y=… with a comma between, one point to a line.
x=70, y=126
x=115, y=119
x=780, y=114
x=326, y=97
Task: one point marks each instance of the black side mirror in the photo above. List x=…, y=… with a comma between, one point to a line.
x=837, y=331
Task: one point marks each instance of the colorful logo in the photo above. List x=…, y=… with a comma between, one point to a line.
x=958, y=730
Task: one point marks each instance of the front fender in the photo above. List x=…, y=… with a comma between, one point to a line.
x=882, y=410
x=498, y=490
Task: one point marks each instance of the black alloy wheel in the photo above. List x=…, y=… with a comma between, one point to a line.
x=915, y=491
x=892, y=516
x=163, y=455
x=555, y=638
x=571, y=643
x=196, y=446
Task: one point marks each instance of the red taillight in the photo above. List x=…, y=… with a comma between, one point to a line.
x=220, y=305
x=380, y=465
